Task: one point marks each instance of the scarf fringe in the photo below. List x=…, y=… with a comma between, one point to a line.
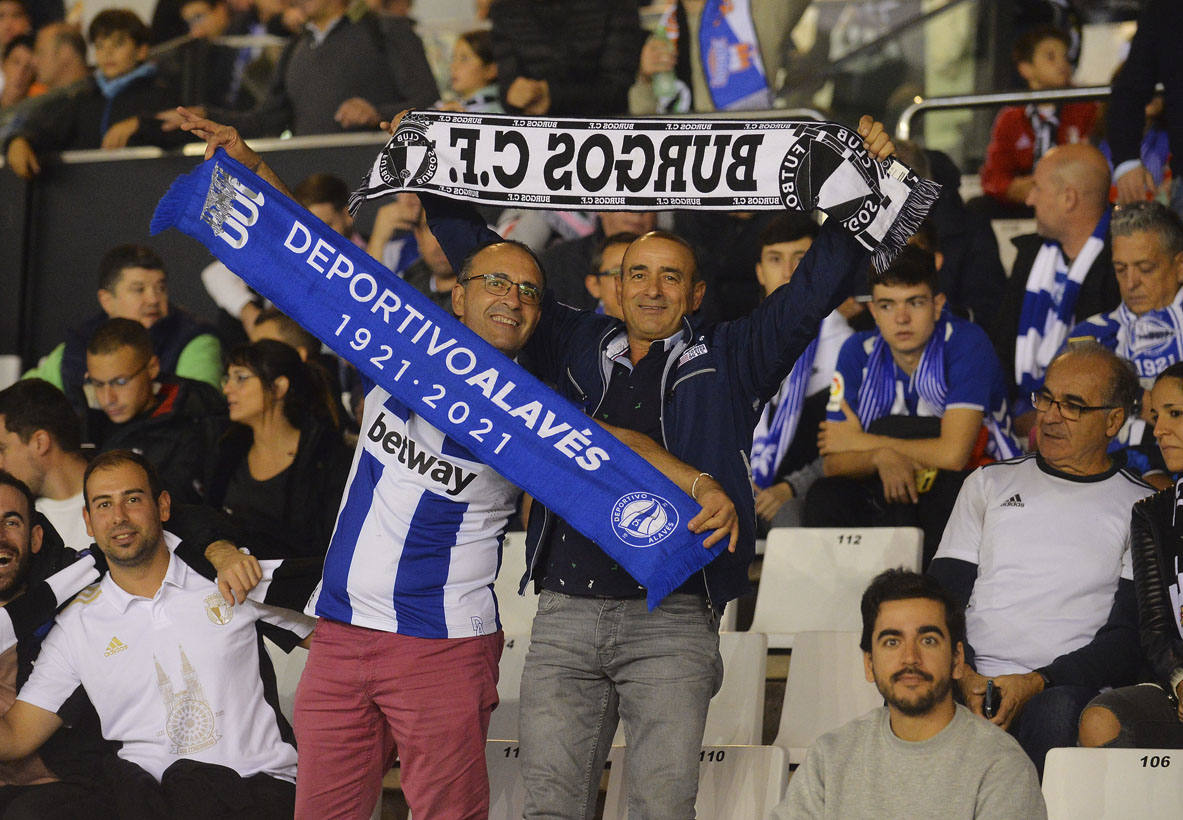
x=907, y=222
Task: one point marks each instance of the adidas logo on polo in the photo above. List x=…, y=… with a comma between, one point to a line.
x=114, y=648
x=1014, y=501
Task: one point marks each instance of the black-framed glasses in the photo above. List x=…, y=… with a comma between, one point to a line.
x=498, y=284
x=1070, y=410
x=118, y=381
x=609, y=272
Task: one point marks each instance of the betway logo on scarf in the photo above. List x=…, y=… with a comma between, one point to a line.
x=651, y=164
x=442, y=371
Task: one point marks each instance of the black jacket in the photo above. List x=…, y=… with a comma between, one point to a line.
x=1155, y=548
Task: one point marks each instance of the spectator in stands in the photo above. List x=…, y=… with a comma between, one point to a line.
x=1147, y=327
x=1038, y=547
x=338, y=75
x=62, y=778
x=210, y=73
x=186, y=703
x=14, y=21
x=431, y=274
x=40, y=442
x=1062, y=274
x=785, y=464
x=675, y=77
x=602, y=285
x=134, y=285
x=392, y=239
x=1150, y=715
x=473, y=75
x=280, y=467
x=1154, y=57
x=173, y=421
x=569, y=263
x=936, y=755
x=1023, y=134
x=20, y=75
x=972, y=277
x=60, y=56
x=929, y=403
x=572, y=59
x=117, y=108
x=728, y=247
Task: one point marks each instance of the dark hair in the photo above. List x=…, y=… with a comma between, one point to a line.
x=69, y=36
x=1175, y=371
x=16, y=42
x=481, y=42
x=322, y=189
x=306, y=397
x=7, y=479
x=1024, y=50
x=293, y=332
x=122, y=257
x=116, y=333
x=900, y=585
x=926, y=238
x=912, y=266
x=24, y=5
x=114, y=458
x=1125, y=391
x=788, y=226
x=913, y=155
x=618, y=238
x=1153, y=217
x=466, y=265
x=115, y=21
x=30, y=405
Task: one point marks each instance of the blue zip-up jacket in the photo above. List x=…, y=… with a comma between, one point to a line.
x=716, y=378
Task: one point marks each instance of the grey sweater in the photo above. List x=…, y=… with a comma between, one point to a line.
x=970, y=769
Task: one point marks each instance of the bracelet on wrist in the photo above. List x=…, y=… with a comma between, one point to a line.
x=694, y=486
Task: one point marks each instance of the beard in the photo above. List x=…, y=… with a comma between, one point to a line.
x=137, y=552
x=14, y=570
x=921, y=703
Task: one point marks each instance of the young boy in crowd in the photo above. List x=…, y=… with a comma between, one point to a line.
x=1022, y=134
x=115, y=109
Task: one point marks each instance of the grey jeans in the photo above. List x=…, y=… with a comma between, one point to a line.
x=593, y=661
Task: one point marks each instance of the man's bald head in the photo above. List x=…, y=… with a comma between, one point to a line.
x=1082, y=167
x=1069, y=192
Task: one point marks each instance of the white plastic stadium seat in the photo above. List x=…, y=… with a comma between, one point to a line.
x=736, y=713
x=516, y=611
x=503, y=725
x=507, y=792
x=813, y=579
x=1113, y=784
x=734, y=783
x=826, y=687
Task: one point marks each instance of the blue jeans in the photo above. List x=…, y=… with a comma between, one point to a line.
x=593, y=661
x=1049, y=721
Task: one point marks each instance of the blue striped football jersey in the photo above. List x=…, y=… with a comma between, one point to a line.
x=418, y=538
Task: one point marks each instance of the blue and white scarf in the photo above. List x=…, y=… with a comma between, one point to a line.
x=877, y=393
x=1152, y=341
x=1048, y=306
x=442, y=370
x=730, y=55
x=778, y=421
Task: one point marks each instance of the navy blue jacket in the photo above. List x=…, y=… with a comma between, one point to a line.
x=716, y=378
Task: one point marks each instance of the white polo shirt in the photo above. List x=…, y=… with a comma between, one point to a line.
x=175, y=676
x=1050, y=549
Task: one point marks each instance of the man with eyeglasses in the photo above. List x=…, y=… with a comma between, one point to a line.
x=914, y=404
x=600, y=281
x=174, y=422
x=1038, y=547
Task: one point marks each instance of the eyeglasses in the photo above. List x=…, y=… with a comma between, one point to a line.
x=499, y=285
x=609, y=272
x=1070, y=410
x=120, y=381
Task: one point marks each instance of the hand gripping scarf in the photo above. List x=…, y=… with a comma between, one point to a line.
x=652, y=164
x=441, y=370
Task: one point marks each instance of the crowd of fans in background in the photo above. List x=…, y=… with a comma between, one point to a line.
x=944, y=363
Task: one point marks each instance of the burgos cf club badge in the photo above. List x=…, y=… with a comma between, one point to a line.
x=217, y=610
x=409, y=158
x=815, y=173
x=643, y=519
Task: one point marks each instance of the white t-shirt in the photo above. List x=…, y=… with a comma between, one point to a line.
x=174, y=676
x=1049, y=548
x=66, y=517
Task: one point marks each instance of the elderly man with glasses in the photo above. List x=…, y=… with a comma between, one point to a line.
x=1038, y=548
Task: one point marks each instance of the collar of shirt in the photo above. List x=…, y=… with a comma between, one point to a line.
x=319, y=35
x=617, y=349
x=174, y=576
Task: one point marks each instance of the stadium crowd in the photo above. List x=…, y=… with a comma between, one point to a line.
x=175, y=487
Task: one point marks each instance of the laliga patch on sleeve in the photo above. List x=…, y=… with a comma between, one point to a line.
x=837, y=393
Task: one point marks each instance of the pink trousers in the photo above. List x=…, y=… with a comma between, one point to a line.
x=368, y=695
